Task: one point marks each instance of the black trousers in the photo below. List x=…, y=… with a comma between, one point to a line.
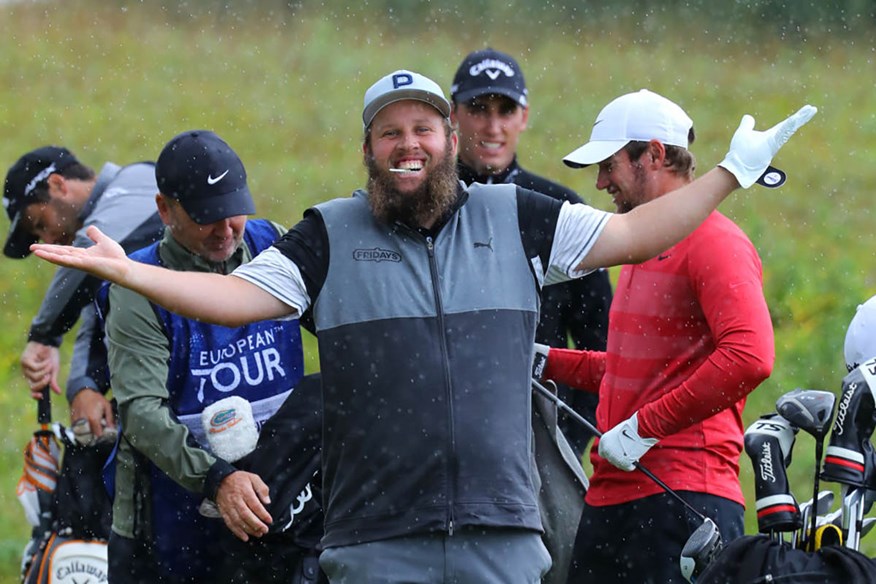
x=270, y=560
x=641, y=541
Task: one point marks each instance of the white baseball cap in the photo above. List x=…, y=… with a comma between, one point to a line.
x=640, y=116
x=399, y=86
x=860, y=342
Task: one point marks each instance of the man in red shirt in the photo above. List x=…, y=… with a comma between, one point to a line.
x=689, y=337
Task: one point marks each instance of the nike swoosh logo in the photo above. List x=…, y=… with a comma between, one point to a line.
x=597, y=122
x=213, y=181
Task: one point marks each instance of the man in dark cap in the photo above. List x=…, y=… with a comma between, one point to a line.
x=167, y=370
x=51, y=196
x=491, y=111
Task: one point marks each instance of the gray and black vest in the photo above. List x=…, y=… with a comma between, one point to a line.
x=425, y=349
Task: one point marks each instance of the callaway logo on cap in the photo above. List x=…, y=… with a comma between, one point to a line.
x=201, y=171
x=488, y=72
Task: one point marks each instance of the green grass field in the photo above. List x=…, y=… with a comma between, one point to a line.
x=115, y=81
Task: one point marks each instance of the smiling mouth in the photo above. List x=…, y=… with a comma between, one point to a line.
x=404, y=170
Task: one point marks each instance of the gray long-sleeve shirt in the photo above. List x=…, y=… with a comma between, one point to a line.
x=122, y=205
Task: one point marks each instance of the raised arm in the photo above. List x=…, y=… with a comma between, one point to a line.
x=657, y=225
x=218, y=299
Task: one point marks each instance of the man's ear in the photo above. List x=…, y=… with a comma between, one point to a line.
x=656, y=153
x=525, y=117
x=163, y=208
x=57, y=186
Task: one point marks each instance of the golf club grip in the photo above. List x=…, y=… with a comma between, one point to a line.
x=44, y=407
x=581, y=419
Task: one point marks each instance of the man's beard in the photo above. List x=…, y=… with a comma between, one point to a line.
x=637, y=188
x=421, y=207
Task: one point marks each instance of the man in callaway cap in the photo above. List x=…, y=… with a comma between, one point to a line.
x=424, y=295
x=167, y=370
x=689, y=337
x=51, y=196
x=491, y=109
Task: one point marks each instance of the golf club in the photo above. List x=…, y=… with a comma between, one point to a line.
x=699, y=550
x=821, y=507
x=704, y=543
x=836, y=518
x=852, y=514
x=811, y=410
x=769, y=442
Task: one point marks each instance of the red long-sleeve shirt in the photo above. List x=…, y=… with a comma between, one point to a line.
x=689, y=337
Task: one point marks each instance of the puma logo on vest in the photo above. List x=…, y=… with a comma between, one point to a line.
x=488, y=244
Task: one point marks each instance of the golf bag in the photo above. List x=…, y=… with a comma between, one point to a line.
x=287, y=457
x=74, y=548
x=562, y=486
x=755, y=559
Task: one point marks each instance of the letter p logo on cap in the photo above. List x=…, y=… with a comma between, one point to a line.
x=401, y=79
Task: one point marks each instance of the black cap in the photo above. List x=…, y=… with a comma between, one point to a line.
x=203, y=173
x=488, y=72
x=18, y=192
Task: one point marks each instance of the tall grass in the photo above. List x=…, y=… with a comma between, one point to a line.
x=283, y=84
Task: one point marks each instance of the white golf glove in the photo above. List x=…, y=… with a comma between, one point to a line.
x=751, y=151
x=539, y=360
x=622, y=446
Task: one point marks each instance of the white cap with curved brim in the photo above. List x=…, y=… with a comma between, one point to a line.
x=860, y=344
x=640, y=116
x=399, y=86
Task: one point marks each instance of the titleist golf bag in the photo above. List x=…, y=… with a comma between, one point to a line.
x=74, y=549
x=755, y=559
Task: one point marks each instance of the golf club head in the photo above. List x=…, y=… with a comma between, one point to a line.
x=821, y=508
x=832, y=518
x=867, y=525
x=811, y=410
x=701, y=548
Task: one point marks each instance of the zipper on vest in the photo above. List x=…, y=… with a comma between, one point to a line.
x=448, y=390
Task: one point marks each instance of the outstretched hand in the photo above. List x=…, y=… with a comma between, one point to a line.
x=752, y=151
x=105, y=259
